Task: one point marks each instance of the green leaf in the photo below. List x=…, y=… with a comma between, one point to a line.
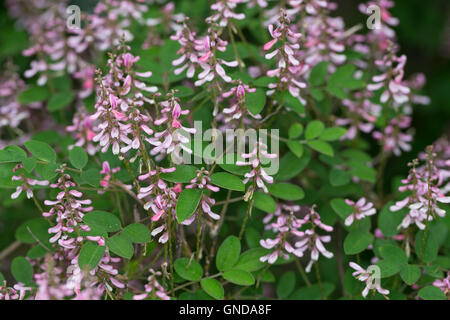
x=266, y=276
x=36, y=252
x=322, y=147
x=182, y=174
x=294, y=104
x=410, y=274
x=29, y=164
x=295, y=131
x=291, y=166
x=33, y=229
x=120, y=245
x=91, y=177
x=228, y=253
x=137, y=233
x=41, y=150
x=187, y=203
x=388, y=268
x=2, y=278
x=319, y=74
x=60, y=100
x=264, y=202
x=337, y=92
x=46, y=170
x=286, y=191
x=239, y=277
x=286, y=285
x=362, y=171
x=213, y=287
x=341, y=75
x=314, y=129
x=296, y=148
x=314, y=292
x=103, y=220
x=227, y=181
x=339, y=177
x=183, y=91
x=341, y=207
x=255, y=101
x=12, y=154
x=432, y=293
x=33, y=94
x=317, y=94
x=393, y=254
x=332, y=134
x=78, y=157
x=389, y=221
x=427, y=250
x=249, y=260
x=90, y=255
x=189, y=271
x=22, y=270
x=357, y=241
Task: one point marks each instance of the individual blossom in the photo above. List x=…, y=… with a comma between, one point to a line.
x=223, y=11
x=237, y=109
x=153, y=288
x=361, y=209
x=156, y=186
x=107, y=172
x=288, y=66
x=361, y=117
x=311, y=240
x=17, y=292
x=168, y=19
x=172, y=136
x=27, y=183
x=82, y=130
x=324, y=40
x=117, y=108
x=393, y=139
x=256, y=159
x=163, y=207
x=443, y=284
x=68, y=209
x=425, y=194
x=212, y=65
x=259, y=3
x=370, y=278
x=286, y=226
x=381, y=34
x=391, y=80
x=203, y=181
x=12, y=113
x=190, y=47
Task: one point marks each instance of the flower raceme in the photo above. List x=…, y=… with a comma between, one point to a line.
x=288, y=225
x=255, y=159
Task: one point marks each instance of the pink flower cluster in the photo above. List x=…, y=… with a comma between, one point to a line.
x=307, y=240
x=423, y=184
x=255, y=159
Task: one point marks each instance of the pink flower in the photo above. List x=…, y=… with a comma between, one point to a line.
x=361, y=209
x=257, y=173
x=369, y=278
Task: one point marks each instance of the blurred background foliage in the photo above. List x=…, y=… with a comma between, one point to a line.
x=423, y=34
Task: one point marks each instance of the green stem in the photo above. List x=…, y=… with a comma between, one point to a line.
x=319, y=281
x=302, y=272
